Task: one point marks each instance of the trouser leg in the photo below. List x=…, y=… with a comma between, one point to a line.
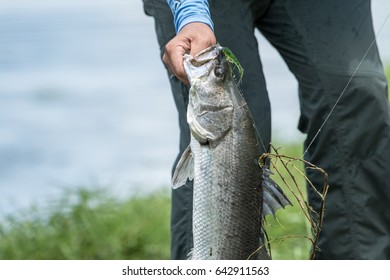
x=323, y=43
x=234, y=28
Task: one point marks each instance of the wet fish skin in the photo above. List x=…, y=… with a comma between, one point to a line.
x=223, y=161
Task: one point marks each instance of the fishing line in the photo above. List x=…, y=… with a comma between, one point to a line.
x=346, y=86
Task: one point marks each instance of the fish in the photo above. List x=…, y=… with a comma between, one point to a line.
x=231, y=192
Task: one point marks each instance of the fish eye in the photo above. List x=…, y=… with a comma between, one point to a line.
x=219, y=72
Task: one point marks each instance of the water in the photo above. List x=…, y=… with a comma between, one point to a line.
x=75, y=79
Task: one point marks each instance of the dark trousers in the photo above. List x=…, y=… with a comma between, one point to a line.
x=322, y=43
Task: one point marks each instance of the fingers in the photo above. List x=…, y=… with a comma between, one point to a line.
x=201, y=37
x=192, y=38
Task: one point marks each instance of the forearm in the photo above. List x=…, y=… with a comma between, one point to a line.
x=188, y=11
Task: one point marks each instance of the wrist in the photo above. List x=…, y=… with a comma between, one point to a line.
x=195, y=19
x=187, y=11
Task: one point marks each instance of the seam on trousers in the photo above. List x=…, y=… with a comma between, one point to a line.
x=341, y=162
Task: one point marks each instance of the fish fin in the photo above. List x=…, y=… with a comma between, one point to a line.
x=184, y=169
x=273, y=196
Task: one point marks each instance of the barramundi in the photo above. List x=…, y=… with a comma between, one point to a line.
x=232, y=194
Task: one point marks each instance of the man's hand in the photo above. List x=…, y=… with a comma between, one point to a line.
x=192, y=38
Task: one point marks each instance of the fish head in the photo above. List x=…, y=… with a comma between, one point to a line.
x=211, y=102
x=208, y=65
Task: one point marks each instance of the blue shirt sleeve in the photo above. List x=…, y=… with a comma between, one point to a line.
x=187, y=11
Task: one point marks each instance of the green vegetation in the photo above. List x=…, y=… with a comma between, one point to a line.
x=90, y=225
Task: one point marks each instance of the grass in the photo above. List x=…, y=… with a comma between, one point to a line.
x=90, y=225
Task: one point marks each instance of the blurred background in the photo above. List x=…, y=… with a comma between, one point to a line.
x=85, y=100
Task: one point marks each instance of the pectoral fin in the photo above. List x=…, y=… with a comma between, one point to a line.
x=273, y=196
x=184, y=169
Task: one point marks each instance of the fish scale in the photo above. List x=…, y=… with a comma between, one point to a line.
x=237, y=191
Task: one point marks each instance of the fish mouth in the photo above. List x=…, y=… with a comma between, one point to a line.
x=201, y=64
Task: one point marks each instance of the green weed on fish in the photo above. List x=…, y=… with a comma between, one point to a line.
x=233, y=59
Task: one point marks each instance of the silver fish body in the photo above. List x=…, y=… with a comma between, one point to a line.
x=223, y=161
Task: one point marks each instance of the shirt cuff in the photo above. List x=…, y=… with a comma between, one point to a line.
x=195, y=18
